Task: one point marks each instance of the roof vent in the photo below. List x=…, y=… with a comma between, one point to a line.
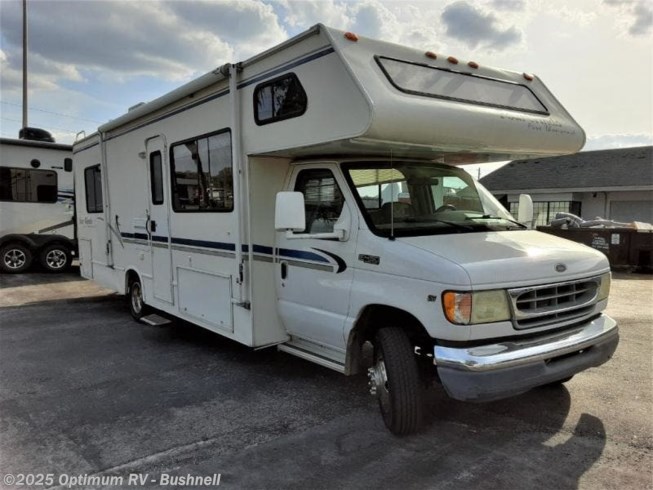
x=35, y=134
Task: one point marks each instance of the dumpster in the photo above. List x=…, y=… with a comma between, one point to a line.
x=626, y=248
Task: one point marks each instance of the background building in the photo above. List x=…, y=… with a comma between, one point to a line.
x=612, y=184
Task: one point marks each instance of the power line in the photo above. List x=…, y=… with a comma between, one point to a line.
x=52, y=112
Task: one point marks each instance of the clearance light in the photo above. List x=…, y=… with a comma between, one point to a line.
x=351, y=36
x=431, y=54
x=528, y=77
x=452, y=60
x=472, y=64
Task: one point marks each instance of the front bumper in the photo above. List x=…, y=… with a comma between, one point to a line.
x=501, y=370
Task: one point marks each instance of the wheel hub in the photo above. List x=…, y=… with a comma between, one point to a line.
x=378, y=379
x=14, y=259
x=56, y=259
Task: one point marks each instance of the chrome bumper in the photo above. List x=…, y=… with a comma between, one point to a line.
x=490, y=372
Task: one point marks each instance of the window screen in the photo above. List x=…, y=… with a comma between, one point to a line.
x=463, y=87
x=279, y=99
x=28, y=185
x=156, y=177
x=323, y=199
x=93, y=185
x=202, y=176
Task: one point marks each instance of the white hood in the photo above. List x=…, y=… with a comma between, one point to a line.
x=513, y=258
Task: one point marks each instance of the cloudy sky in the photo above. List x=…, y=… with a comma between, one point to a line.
x=91, y=60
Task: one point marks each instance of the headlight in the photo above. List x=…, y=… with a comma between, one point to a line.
x=604, y=288
x=477, y=307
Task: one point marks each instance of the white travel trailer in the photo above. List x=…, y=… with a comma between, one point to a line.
x=309, y=198
x=36, y=204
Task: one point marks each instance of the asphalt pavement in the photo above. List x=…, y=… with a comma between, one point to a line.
x=85, y=392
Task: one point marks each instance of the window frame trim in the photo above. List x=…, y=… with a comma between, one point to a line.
x=378, y=59
x=173, y=179
x=56, y=175
x=270, y=82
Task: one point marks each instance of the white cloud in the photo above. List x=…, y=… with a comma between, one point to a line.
x=607, y=141
x=639, y=15
x=474, y=27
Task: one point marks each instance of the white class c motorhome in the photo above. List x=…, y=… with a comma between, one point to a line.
x=36, y=203
x=311, y=198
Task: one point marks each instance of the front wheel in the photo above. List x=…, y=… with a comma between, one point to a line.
x=395, y=380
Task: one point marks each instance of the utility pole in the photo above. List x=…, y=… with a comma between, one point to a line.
x=24, y=63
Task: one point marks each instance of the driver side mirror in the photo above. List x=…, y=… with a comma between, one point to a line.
x=290, y=216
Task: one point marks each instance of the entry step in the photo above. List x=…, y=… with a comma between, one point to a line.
x=155, y=320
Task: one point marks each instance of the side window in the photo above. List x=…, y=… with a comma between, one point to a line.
x=202, y=175
x=93, y=186
x=322, y=197
x=279, y=99
x=28, y=185
x=156, y=176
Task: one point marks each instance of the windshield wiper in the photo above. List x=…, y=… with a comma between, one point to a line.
x=489, y=216
x=453, y=224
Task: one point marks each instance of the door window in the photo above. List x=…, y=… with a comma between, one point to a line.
x=323, y=199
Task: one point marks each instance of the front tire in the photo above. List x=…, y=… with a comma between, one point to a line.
x=395, y=380
x=15, y=258
x=55, y=258
x=137, y=306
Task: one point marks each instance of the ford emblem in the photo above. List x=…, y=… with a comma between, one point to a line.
x=561, y=267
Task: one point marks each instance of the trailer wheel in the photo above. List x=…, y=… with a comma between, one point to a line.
x=15, y=258
x=395, y=380
x=137, y=306
x=55, y=257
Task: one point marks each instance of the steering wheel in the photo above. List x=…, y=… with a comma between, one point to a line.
x=446, y=207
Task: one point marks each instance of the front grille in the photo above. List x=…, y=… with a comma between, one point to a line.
x=542, y=305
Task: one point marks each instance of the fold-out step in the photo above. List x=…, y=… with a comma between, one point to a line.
x=155, y=320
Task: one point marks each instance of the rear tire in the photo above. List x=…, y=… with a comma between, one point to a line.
x=395, y=380
x=15, y=258
x=55, y=257
x=137, y=306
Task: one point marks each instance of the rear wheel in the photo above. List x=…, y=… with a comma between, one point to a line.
x=137, y=306
x=395, y=380
x=15, y=258
x=55, y=257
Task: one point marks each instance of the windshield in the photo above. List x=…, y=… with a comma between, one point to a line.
x=424, y=198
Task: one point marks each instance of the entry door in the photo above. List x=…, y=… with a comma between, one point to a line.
x=158, y=224
x=314, y=276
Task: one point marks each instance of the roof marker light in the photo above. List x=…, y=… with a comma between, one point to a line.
x=452, y=60
x=528, y=77
x=431, y=54
x=351, y=36
x=472, y=64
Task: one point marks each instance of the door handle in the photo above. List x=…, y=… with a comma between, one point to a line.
x=152, y=226
x=284, y=269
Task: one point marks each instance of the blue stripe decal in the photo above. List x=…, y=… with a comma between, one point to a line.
x=206, y=244
x=300, y=254
x=287, y=67
x=231, y=247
